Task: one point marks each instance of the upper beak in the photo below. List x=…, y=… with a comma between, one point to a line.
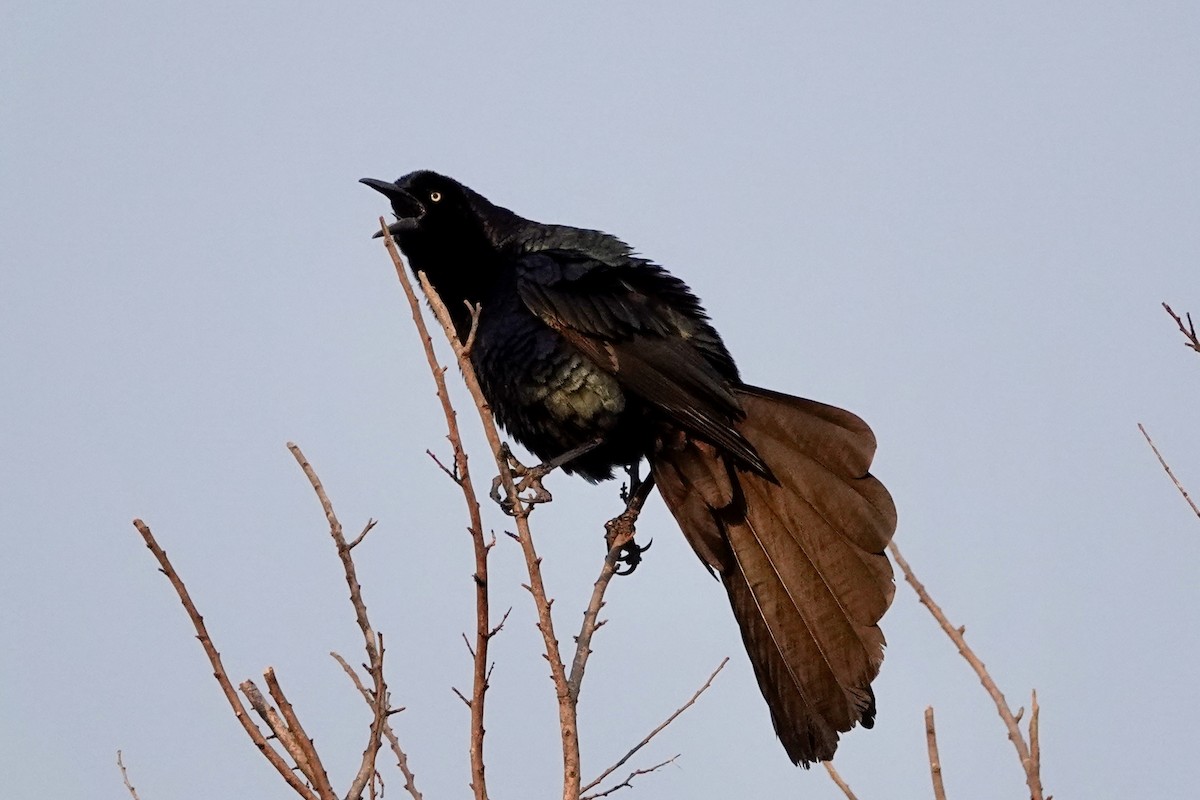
x=408, y=209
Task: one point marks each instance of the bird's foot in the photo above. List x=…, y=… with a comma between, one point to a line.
x=629, y=556
x=528, y=479
x=620, y=530
x=624, y=551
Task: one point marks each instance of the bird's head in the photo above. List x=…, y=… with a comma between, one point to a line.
x=449, y=232
x=432, y=207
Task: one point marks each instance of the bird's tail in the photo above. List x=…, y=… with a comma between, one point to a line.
x=800, y=552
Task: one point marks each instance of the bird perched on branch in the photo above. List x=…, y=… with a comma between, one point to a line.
x=583, y=346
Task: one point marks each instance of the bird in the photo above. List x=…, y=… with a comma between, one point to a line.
x=581, y=345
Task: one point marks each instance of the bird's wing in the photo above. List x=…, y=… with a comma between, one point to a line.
x=619, y=319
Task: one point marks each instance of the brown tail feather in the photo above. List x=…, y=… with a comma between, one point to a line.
x=801, y=555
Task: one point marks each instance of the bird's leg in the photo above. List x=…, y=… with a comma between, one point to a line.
x=619, y=531
x=627, y=489
x=530, y=478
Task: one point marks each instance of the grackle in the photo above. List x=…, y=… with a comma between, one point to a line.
x=582, y=343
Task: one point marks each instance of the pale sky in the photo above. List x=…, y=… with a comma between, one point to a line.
x=956, y=220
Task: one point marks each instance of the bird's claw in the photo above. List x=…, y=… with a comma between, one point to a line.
x=630, y=556
x=629, y=552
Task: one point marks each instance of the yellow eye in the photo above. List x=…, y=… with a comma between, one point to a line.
x=435, y=196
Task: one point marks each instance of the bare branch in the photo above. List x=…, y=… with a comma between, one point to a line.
x=366, y=770
x=219, y=673
x=279, y=728
x=628, y=782
x=401, y=757
x=568, y=726
x=306, y=755
x=935, y=761
x=1189, y=332
x=125, y=777
x=343, y=551
x=461, y=475
x=372, y=640
x=566, y=689
x=1170, y=474
x=837, y=778
x=691, y=701
x=621, y=530
x=1032, y=779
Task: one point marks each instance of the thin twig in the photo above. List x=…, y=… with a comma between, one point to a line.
x=935, y=760
x=1170, y=474
x=841, y=783
x=401, y=757
x=372, y=640
x=473, y=310
x=1189, y=332
x=691, y=701
x=449, y=472
x=500, y=625
x=628, y=782
x=371, y=523
x=343, y=551
x=1035, y=740
x=125, y=777
x=1032, y=779
x=462, y=476
x=219, y=673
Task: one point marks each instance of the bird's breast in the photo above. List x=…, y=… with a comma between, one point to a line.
x=570, y=388
x=546, y=393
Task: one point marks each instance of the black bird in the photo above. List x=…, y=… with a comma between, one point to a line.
x=579, y=340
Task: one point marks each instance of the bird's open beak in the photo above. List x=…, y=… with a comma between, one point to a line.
x=408, y=209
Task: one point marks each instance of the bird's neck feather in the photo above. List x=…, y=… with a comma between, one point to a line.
x=461, y=272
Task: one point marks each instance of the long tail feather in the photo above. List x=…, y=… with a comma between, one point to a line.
x=800, y=551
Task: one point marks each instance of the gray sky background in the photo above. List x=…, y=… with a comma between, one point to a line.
x=957, y=220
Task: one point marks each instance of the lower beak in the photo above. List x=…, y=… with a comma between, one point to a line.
x=402, y=224
x=407, y=208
